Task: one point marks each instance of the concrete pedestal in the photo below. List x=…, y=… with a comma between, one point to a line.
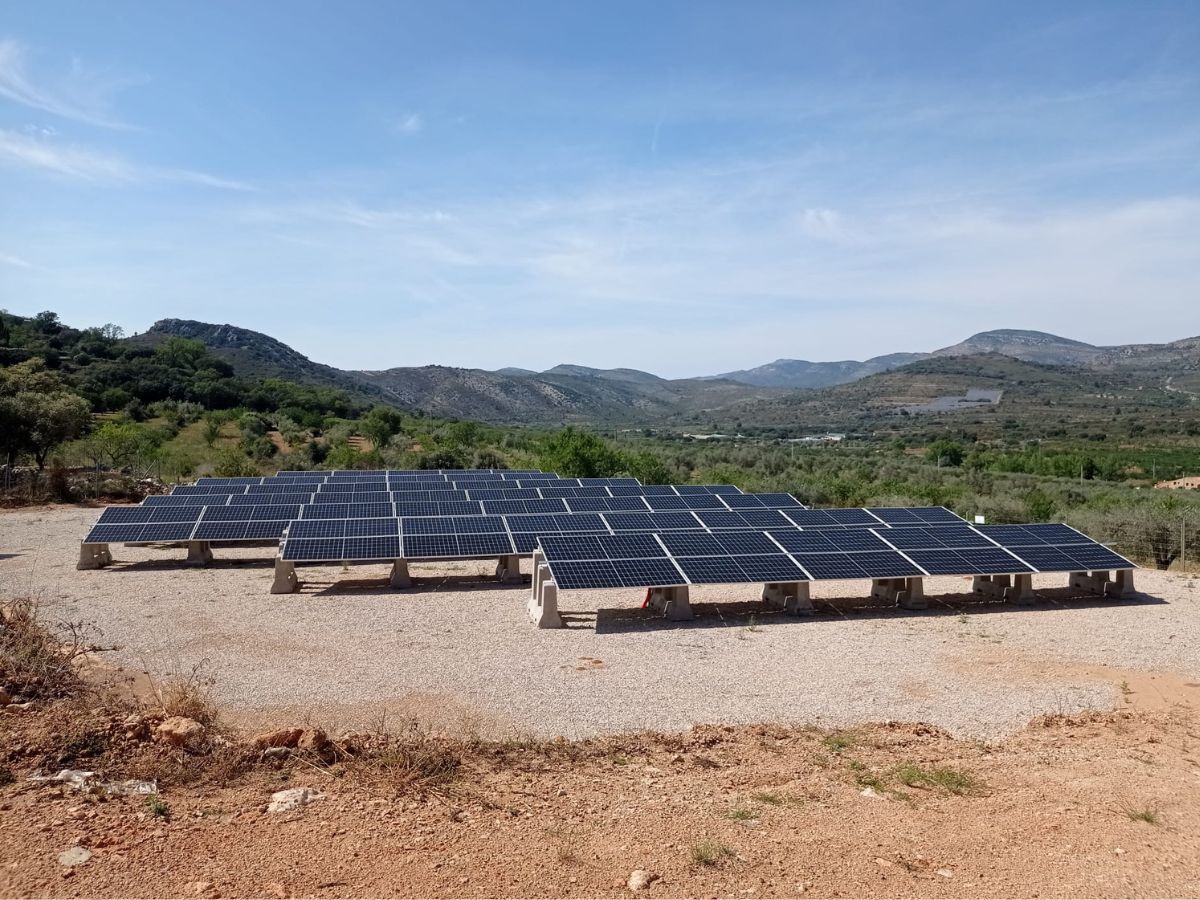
x=1121, y=586
x=543, y=609
x=399, y=576
x=672, y=602
x=912, y=595
x=285, y=581
x=991, y=585
x=199, y=553
x=792, y=597
x=94, y=556
x=1021, y=591
x=508, y=569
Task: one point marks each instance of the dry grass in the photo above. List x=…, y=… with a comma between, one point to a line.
x=190, y=697
x=950, y=780
x=37, y=661
x=411, y=758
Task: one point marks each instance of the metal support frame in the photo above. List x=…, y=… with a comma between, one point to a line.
x=94, y=556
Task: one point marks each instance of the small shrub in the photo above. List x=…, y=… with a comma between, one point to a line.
x=769, y=798
x=741, y=814
x=36, y=661
x=710, y=853
x=839, y=741
x=1147, y=814
x=951, y=780
x=158, y=807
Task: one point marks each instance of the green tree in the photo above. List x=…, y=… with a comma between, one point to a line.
x=37, y=412
x=381, y=424
x=580, y=454
x=946, y=453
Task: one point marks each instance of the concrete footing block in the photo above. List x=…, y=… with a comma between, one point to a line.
x=543, y=610
x=1121, y=585
x=399, y=577
x=285, y=581
x=508, y=569
x=1021, y=591
x=199, y=553
x=672, y=602
x=913, y=594
x=799, y=603
x=94, y=556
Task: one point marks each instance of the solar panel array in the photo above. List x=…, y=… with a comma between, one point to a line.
x=823, y=552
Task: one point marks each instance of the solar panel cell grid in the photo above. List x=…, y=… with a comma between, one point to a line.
x=167, y=531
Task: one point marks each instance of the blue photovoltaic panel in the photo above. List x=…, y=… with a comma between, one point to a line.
x=691, y=543
x=504, y=494
x=362, y=510
x=935, y=514
x=896, y=515
x=381, y=527
x=953, y=537
x=186, y=500
x=220, y=531
x=325, y=511
x=591, y=504
x=811, y=518
x=626, y=504
x=572, y=546
x=672, y=521
x=493, y=544
x=1010, y=535
x=795, y=541
x=666, y=502
x=167, y=531
x=886, y=564
x=992, y=561
x=647, y=572
x=175, y=513
x=702, y=501
x=745, y=543
x=1048, y=559
x=226, y=514
x=266, y=529
x=715, y=518
x=317, y=528
x=706, y=569
x=852, y=517
x=779, y=500
x=228, y=481
x=830, y=566
x=764, y=518
x=742, y=501
x=1094, y=557
x=115, y=515
x=941, y=562
x=599, y=573
x=550, y=493
x=904, y=538
x=313, y=550
x=274, y=511
x=1058, y=534
x=630, y=546
x=477, y=524
x=518, y=507
x=555, y=524
x=114, y=534
x=376, y=547
x=256, y=499
x=770, y=567
x=428, y=546
x=855, y=540
x=352, y=497
x=416, y=508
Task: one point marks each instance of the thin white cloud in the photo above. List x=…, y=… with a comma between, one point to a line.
x=82, y=97
x=16, y=262
x=410, y=123
x=73, y=162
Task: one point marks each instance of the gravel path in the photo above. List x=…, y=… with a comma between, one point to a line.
x=458, y=649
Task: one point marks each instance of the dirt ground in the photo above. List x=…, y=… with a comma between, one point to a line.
x=1098, y=805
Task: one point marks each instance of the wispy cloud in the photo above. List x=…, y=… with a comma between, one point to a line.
x=410, y=123
x=81, y=96
x=27, y=151
x=7, y=259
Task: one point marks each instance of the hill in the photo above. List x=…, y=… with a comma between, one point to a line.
x=565, y=393
x=1035, y=398
x=1029, y=346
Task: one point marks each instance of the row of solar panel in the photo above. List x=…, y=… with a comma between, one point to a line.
x=550, y=515
x=354, y=475
x=591, y=562
x=509, y=490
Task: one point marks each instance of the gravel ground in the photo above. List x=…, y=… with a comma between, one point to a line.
x=458, y=649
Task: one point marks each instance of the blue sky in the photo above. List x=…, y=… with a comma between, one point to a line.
x=686, y=188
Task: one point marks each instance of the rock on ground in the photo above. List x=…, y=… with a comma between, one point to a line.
x=181, y=731
x=285, y=801
x=640, y=879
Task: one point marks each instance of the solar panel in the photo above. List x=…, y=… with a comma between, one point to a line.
x=492, y=544
x=566, y=522
x=993, y=561
x=935, y=514
x=852, y=517
x=253, y=499
x=764, y=518
x=504, y=494
x=567, y=492
x=702, y=501
x=175, y=513
x=317, y=528
x=167, y=531
x=745, y=543
x=770, y=567
x=713, y=518
x=666, y=501
x=856, y=540
x=690, y=543
x=266, y=529
x=115, y=515
x=886, y=564
x=830, y=566
x=376, y=547
x=706, y=569
x=811, y=518
x=517, y=507
x=804, y=541
x=220, y=531
x=186, y=500
x=630, y=546
x=313, y=550
x=896, y=515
